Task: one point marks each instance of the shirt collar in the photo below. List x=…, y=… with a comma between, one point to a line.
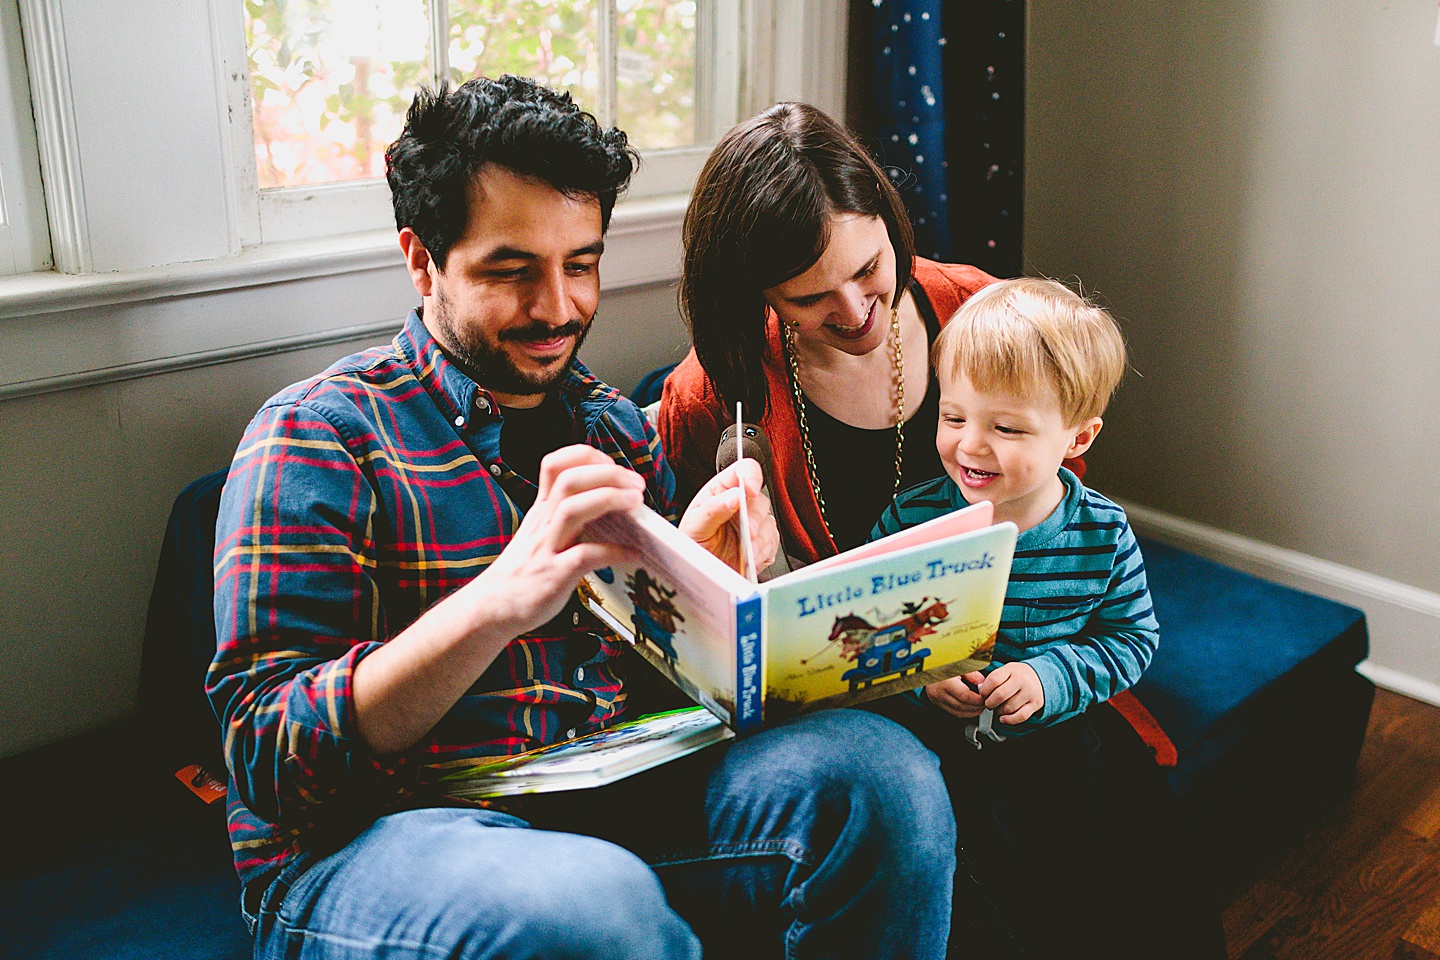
x=1043, y=531
x=1064, y=512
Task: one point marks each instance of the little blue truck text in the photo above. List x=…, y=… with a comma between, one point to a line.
x=883, y=583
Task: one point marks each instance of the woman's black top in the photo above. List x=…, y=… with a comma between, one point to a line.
x=856, y=466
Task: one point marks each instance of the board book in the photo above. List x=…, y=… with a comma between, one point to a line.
x=918, y=606
x=589, y=761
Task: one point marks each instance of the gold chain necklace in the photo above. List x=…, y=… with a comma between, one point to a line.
x=792, y=357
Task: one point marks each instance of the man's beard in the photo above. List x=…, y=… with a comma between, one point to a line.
x=486, y=362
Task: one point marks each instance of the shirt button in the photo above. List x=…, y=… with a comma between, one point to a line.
x=579, y=674
x=481, y=403
x=575, y=619
x=570, y=734
x=459, y=421
x=494, y=469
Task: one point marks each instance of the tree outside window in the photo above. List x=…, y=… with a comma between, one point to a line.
x=331, y=79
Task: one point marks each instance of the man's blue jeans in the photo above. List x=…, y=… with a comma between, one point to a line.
x=830, y=836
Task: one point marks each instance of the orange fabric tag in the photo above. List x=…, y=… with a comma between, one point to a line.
x=201, y=782
x=1149, y=729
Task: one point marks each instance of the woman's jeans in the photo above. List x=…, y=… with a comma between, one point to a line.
x=830, y=836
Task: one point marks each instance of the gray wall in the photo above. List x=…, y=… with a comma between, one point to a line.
x=86, y=484
x=1254, y=187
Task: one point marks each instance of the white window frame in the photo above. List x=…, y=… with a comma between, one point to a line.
x=158, y=263
x=170, y=177
x=24, y=236
x=282, y=214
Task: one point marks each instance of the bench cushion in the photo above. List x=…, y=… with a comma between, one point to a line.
x=1226, y=638
x=114, y=858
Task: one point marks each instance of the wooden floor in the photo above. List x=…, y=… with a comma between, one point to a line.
x=1366, y=883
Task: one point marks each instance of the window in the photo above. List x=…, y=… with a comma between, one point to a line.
x=143, y=125
x=139, y=115
x=24, y=240
x=330, y=80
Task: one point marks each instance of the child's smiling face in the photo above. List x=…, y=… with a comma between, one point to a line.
x=1008, y=449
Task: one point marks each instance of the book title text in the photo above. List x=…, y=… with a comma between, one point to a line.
x=884, y=583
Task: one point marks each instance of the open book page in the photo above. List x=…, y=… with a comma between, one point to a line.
x=590, y=761
x=844, y=634
x=973, y=517
x=675, y=602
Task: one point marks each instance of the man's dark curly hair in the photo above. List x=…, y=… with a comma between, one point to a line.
x=450, y=134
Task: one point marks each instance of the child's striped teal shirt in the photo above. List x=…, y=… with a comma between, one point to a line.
x=1077, y=609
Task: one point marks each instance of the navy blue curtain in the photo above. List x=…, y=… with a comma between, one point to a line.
x=910, y=114
x=942, y=98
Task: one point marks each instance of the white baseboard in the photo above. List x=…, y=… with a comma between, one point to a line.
x=1400, y=682
x=1404, y=621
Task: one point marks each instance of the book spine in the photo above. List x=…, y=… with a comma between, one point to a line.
x=749, y=697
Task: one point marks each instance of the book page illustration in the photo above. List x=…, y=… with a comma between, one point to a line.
x=591, y=760
x=670, y=605
x=896, y=621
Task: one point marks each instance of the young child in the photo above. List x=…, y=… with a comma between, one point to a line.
x=1026, y=368
x=1072, y=825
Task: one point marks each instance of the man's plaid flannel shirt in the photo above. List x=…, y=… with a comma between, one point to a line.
x=356, y=500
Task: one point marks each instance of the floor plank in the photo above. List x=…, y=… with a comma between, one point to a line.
x=1424, y=821
x=1253, y=915
x=1365, y=883
x=1424, y=933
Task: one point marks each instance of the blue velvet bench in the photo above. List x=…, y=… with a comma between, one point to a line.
x=1254, y=684
x=111, y=858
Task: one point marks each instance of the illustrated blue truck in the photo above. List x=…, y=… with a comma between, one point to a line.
x=887, y=655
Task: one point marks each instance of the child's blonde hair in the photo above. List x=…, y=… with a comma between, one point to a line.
x=1027, y=334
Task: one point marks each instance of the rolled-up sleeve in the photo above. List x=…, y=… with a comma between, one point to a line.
x=296, y=608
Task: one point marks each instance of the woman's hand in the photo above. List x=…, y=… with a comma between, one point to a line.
x=712, y=519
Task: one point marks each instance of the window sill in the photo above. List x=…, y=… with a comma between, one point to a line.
x=642, y=247
x=63, y=331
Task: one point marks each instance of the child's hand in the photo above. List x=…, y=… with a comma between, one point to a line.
x=1013, y=691
x=957, y=695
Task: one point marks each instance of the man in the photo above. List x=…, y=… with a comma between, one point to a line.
x=396, y=559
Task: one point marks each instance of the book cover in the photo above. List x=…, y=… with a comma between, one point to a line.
x=676, y=603
x=915, y=607
x=919, y=606
x=849, y=633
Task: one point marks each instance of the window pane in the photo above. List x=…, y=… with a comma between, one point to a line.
x=655, y=72
x=330, y=82
x=554, y=42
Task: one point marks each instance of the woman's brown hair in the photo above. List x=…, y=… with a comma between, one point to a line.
x=760, y=215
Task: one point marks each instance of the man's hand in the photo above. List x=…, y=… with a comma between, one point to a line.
x=712, y=519
x=405, y=686
x=534, y=576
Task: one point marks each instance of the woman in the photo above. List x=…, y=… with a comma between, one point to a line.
x=806, y=302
